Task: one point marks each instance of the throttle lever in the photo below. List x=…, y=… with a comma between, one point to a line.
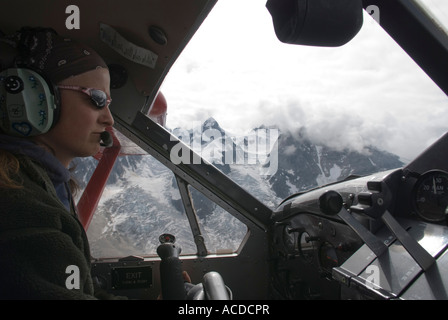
x=376, y=207
x=170, y=269
x=331, y=203
x=374, y=204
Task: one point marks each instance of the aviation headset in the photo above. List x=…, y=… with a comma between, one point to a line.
x=29, y=99
x=29, y=104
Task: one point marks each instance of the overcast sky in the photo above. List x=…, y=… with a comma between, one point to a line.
x=368, y=92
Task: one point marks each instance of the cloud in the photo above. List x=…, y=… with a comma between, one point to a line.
x=368, y=92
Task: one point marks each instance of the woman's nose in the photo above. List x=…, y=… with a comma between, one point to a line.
x=106, y=117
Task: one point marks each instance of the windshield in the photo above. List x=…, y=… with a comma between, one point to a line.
x=367, y=98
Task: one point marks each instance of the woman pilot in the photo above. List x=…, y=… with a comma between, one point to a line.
x=54, y=106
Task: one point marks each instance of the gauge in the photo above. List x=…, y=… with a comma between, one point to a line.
x=431, y=196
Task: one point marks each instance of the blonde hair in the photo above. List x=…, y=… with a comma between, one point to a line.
x=9, y=166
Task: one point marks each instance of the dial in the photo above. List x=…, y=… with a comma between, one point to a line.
x=431, y=196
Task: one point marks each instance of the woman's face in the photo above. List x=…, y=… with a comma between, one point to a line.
x=77, y=132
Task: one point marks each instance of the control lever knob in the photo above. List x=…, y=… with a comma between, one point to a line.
x=331, y=202
x=374, y=202
x=167, y=238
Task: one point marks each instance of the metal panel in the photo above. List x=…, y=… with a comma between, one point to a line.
x=396, y=270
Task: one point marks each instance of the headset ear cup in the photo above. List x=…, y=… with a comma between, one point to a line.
x=56, y=105
x=29, y=104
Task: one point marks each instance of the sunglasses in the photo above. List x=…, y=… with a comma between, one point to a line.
x=98, y=97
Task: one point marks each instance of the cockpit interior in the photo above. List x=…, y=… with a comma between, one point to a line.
x=378, y=235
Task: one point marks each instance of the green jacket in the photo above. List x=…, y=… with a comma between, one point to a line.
x=42, y=245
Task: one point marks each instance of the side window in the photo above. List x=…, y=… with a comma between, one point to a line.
x=141, y=201
x=223, y=232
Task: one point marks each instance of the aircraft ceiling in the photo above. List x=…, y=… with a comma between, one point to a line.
x=119, y=30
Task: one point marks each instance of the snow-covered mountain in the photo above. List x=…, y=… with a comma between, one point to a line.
x=304, y=165
x=142, y=201
x=285, y=162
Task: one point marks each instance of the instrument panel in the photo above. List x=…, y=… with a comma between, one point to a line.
x=309, y=246
x=393, y=222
